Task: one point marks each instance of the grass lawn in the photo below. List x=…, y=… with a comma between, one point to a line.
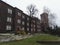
x=32, y=40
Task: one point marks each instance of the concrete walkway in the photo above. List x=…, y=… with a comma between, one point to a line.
x=11, y=37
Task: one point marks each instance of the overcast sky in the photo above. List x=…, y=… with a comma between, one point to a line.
x=53, y=5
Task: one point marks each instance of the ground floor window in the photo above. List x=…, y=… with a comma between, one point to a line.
x=8, y=27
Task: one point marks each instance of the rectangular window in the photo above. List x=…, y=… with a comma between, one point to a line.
x=27, y=29
x=8, y=27
x=19, y=14
x=27, y=18
x=23, y=16
x=18, y=21
x=27, y=24
x=8, y=19
x=23, y=23
x=9, y=11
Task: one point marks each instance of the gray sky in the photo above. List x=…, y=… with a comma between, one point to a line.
x=53, y=5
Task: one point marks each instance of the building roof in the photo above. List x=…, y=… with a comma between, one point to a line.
x=44, y=14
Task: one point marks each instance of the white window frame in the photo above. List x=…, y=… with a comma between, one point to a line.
x=8, y=27
x=9, y=19
x=9, y=11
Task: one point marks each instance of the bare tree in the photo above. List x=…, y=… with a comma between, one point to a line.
x=52, y=19
x=32, y=10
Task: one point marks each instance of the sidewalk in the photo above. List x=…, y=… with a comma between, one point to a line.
x=12, y=37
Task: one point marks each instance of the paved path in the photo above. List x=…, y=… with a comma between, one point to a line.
x=11, y=37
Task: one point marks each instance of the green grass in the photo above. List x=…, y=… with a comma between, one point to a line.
x=32, y=40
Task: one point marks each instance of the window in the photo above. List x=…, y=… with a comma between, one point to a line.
x=9, y=11
x=27, y=24
x=18, y=21
x=23, y=22
x=27, y=18
x=23, y=28
x=8, y=27
x=19, y=14
x=8, y=19
x=23, y=16
x=27, y=29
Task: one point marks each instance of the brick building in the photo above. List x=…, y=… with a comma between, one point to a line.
x=13, y=20
x=17, y=20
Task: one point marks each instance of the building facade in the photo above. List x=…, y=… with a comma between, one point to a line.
x=6, y=17
x=13, y=20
